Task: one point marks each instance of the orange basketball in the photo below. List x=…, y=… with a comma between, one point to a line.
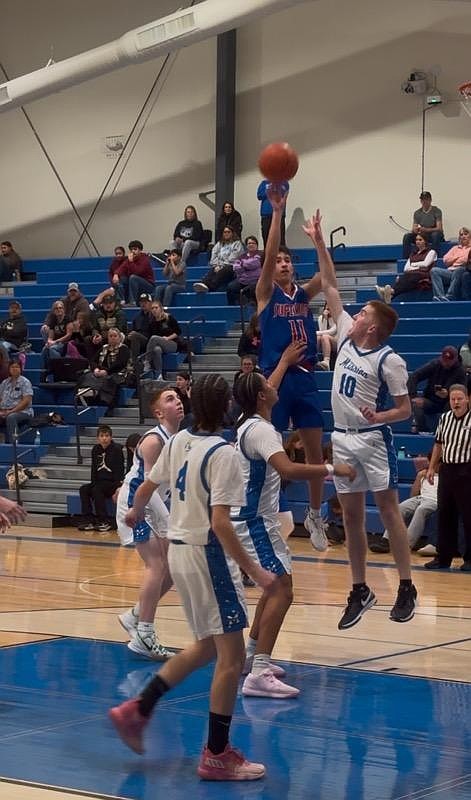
x=278, y=162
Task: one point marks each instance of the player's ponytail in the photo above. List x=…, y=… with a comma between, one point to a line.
x=246, y=391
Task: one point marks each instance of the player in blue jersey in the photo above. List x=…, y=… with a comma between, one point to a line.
x=285, y=317
x=366, y=371
x=205, y=554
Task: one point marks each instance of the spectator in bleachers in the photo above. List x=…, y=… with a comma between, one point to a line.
x=415, y=511
x=227, y=250
x=183, y=390
x=465, y=355
x=117, y=270
x=13, y=329
x=416, y=273
x=175, y=272
x=10, y=263
x=247, y=271
x=188, y=234
x=16, y=396
x=326, y=336
x=137, y=274
x=266, y=211
x=4, y=364
x=248, y=364
x=108, y=315
x=427, y=219
x=446, y=282
x=228, y=217
x=74, y=301
x=107, y=474
x=439, y=374
x=82, y=335
x=110, y=366
x=56, y=332
x=141, y=327
x=165, y=338
x=249, y=342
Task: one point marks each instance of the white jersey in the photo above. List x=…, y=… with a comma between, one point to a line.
x=257, y=441
x=203, y=470
x=156, y=513
x=363, y=378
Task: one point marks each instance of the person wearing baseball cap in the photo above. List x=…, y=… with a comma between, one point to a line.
x=438, y=375
x=74, y=301
x=427, y=219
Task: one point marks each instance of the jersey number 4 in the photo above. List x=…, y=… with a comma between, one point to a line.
x=347, y=385
x=298, y=331
x=180, y=483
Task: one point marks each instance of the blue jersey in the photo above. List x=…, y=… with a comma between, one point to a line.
x=286, y=319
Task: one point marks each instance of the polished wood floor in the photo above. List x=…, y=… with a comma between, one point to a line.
x=60, y=582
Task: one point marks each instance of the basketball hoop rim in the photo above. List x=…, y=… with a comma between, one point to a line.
x=465, y=90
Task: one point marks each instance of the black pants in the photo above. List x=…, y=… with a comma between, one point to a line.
x=453, y=503
x=137, y=344
x=97, y=493
x=266, y=222
x=409, y=281
x=218, y=280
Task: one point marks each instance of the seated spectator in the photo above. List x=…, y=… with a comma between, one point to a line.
x=107, y=474
x=428, y=219
x=449, y=279
x=266, y=211
x=81, y=336
x=326, y=336
x=452, y=447
x=439, y=374
x=56, y=332
x=416, y=273
x=415, y=511
x=249, y=342
x=228, y=217
x=183, y=390
x=117, y=270
x=108, y=315
x=13, y=329
x=137, y=275
x=223, y=255
x=16, y=396
x=141, y=327
x=175, y=272
x=74, y=302
x=165, y=338
x=248, y=364
x=188, y=234
x=108, y=371
x=10, y=263
x=247, y=271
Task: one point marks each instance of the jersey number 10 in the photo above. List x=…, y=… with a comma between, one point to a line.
x=347, y=385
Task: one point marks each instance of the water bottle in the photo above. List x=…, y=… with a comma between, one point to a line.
x=401, y=455
x=37, y=439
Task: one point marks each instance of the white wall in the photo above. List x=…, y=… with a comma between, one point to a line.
x=325, y=76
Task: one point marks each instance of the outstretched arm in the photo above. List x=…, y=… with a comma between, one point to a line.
x=264, y=288
x=313, y=229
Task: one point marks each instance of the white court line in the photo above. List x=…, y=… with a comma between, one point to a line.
x=428, y=791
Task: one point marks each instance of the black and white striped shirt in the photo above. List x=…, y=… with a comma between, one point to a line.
x=454, y=435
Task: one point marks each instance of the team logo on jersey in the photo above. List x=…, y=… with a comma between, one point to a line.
x=348, y=364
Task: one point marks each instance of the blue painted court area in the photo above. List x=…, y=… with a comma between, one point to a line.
x=350, y=736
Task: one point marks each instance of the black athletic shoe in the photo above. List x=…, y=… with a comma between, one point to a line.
x=86, y=526
x=380, y=546
x=435, y=563
x=404, y=608
x=359, y=601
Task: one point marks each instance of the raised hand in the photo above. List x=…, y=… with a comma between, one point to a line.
x=276, y=196
x=294, y=353
x=313, y=229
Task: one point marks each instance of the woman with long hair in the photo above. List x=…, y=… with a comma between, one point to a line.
x=227, y=250
x=416, y=273
x=165, y=338
x=188, y=234
x=228, y=216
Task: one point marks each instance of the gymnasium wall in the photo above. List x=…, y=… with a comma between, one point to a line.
x=325, y=76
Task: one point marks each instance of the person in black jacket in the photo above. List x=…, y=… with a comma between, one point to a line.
x=439, y=374
x=249, y=342
x=165, y=338
x=107, y=475
x=228, y=217
x=13, y=330
x=188, y=234
x=141, y=327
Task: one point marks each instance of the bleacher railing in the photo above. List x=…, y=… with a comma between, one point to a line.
x=331, y=238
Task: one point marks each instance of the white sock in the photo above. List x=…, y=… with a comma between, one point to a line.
x=314, y=513
x=145, y=629
x=261, y=661
x=135, y=610
x=250, y=647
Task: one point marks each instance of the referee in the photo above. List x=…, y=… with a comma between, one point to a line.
x=453, y=447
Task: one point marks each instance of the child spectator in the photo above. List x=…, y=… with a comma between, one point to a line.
x=107, y=474
x=175, y=272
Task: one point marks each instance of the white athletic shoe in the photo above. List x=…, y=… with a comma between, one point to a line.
x=380, y=291
x=324, y=364
x=148, y=646
x=316, y=527
x=277, y=670
x=388, y=293
x=199, y=286
x=128, y=620
x=266, y=685
x=427, y=550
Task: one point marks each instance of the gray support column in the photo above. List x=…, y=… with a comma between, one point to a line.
x=225, y=118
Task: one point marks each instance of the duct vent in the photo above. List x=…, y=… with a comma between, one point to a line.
x=4, y=96
x=165, y=31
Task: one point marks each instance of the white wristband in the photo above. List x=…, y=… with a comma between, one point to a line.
x=329, y=468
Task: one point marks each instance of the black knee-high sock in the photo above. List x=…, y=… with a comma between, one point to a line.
x=218, y=733
x=152, y=694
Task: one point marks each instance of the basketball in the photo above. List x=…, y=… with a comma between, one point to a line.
x=278, y=162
